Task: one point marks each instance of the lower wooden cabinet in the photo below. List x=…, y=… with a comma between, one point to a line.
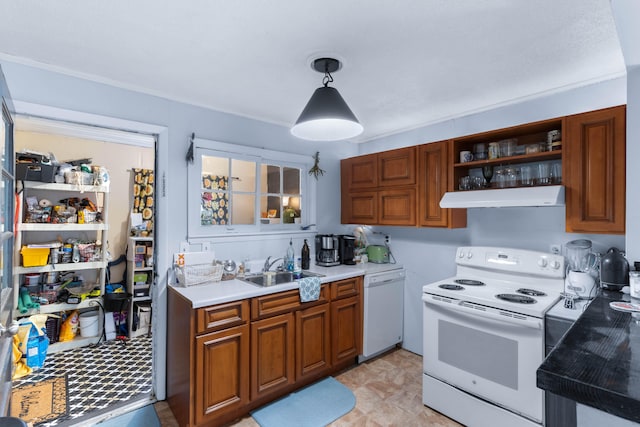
x=346, y=336
x=227, y=359
x=346, y=320
x=222, y=373
x=272, y=355
x=313, y=341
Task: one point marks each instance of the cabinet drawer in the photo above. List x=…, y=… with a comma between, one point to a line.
x=222, y=316
x=346, y=288
x=282, y=302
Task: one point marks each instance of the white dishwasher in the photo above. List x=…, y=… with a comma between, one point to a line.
x=383, y=312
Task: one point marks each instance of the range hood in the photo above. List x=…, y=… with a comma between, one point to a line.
x=549, y=195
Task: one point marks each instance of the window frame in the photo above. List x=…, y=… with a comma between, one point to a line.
x=261, y=156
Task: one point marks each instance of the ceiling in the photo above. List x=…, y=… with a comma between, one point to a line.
x=406, y=63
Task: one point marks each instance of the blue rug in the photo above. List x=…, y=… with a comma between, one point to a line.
x=314, y=406
x=142, y=417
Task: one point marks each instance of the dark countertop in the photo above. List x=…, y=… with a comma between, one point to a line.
x=597, y=362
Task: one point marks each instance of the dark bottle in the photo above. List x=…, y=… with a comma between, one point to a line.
x=305, y=255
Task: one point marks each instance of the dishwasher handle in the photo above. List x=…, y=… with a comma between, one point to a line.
x=381, y=279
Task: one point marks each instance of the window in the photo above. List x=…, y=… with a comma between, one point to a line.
x=239, y=189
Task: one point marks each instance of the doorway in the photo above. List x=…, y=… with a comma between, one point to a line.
x=126, y=361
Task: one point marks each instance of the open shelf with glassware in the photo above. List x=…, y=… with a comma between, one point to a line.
x=521, y=156
x=58, y=245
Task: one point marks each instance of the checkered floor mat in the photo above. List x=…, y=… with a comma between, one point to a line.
x=108, y=374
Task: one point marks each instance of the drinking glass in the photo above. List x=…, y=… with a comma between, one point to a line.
x=526, y=179
x=500, y=178
x=487, y=173
x=465, y=183
x=543, y=173
x=510, y=177
x=555, y=173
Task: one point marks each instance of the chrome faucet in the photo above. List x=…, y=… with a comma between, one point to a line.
x=268, y=263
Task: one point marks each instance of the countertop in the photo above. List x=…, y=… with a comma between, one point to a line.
x=597, y=362
x=232, y=290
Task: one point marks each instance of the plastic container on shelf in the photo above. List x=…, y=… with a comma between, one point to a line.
x=89, y=324
x=34, y=257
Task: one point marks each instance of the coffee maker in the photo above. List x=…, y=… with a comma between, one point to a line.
x=347, y=249
x=327, y=246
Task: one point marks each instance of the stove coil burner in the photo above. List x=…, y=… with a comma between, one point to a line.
x=451, y=287
x=469, y=282
x=520, y=299
x=531, y=292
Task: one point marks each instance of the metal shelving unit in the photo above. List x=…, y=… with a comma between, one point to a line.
x=28, y=233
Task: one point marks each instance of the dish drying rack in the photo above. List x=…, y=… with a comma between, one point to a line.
x=195, y=268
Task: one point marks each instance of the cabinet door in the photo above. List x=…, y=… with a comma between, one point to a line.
x=594, y=171
x=433, y=161
x=222, y=373
x=346, y=329
x=397, y=167
x=397, y=206
x=313, y=344
x=360, y=172
x=272, y=355
x=360, y=207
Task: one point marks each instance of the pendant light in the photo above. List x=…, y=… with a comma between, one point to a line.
x=326, y=117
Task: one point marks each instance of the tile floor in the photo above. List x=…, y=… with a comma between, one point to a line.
x=388, y=393
x=98, y=377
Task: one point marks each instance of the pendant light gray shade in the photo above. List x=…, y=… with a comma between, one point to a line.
x=326, y=117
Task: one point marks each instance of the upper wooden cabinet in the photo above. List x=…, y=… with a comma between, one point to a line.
x=389, y=168
x=404, y=186
x=433, y=182
x=379, y=188
x=360, y=172
x=594, y=171
x=397, y=167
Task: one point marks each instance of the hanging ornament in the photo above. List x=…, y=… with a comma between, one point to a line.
x=315, y=169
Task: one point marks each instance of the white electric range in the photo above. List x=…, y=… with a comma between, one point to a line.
x=484, y=335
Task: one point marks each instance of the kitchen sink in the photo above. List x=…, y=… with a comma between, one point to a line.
x=278, y=278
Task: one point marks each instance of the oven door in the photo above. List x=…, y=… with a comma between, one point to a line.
x=487, y=352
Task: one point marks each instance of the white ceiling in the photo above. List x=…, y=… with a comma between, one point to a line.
x=407, y=63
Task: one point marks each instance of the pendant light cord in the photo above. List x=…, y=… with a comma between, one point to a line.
x=328, y=78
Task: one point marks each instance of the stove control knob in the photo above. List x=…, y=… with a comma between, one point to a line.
x=469, y=255
x=555, y=264
x=461, y=254
x=542, y=262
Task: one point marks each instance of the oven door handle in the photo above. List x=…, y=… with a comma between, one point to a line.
x=485, y=312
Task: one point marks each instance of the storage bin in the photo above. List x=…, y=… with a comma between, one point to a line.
x=140, y=278
x=35, y=172
x=78, y=178
x=34, y=257
x=190, y=275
